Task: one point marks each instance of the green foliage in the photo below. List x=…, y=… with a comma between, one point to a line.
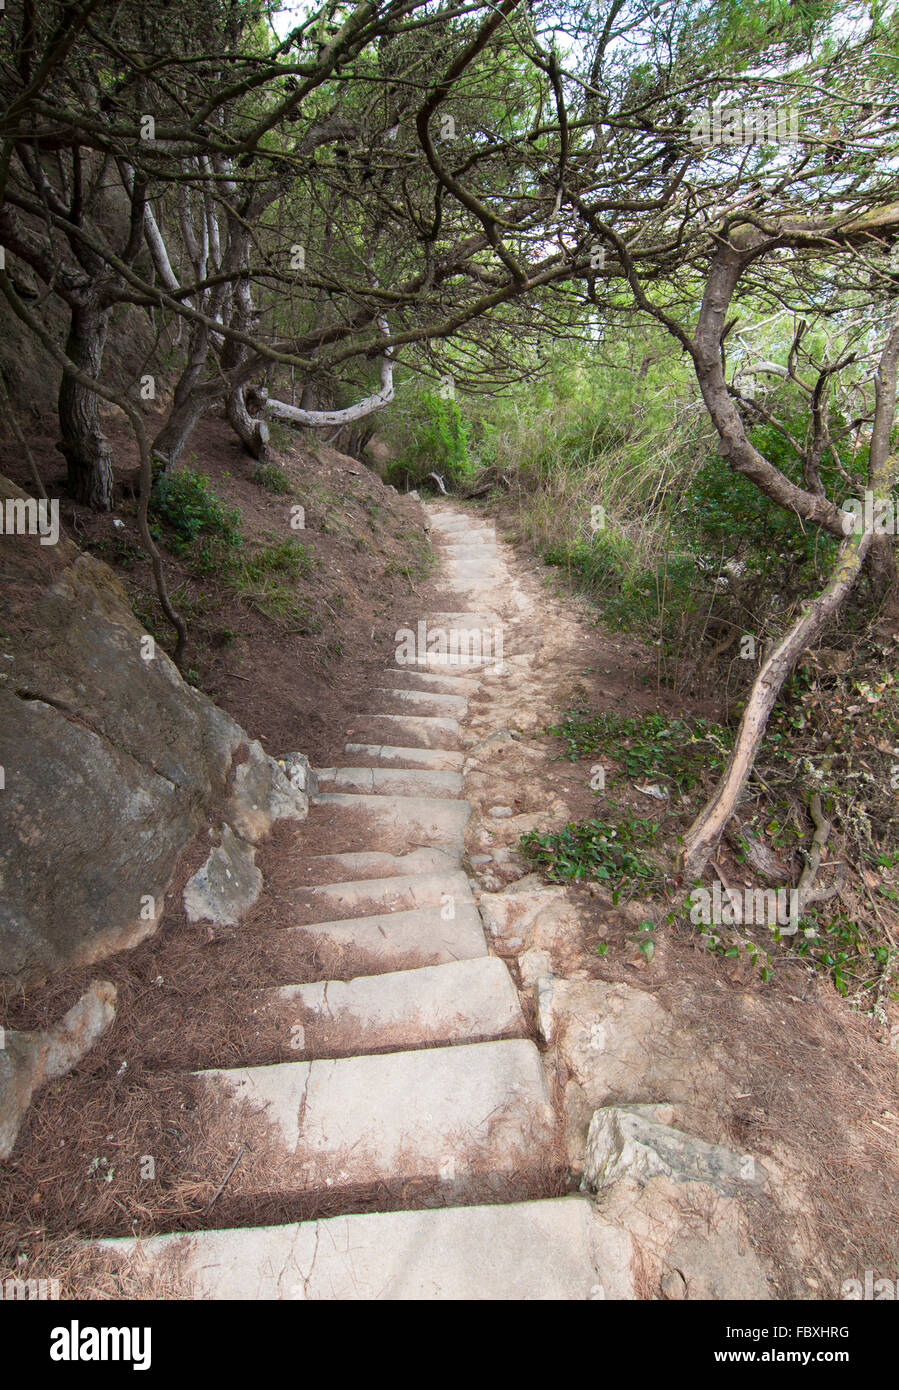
x=758, y=956
x=724, y=513
x=433, y=438
x=631, y=595
x=267, y=580
x=289, y=557
x=272, y=478
x=117, y=550
x=837, y=945
x=595, y=850
x=655, y=746
x=829, y=941
x=184, y=506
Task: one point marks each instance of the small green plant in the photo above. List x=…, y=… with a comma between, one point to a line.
x=288, y=557
x=838, y=946
x=596, y=850
x=118, y=550
x=267, y=581
x=757, y=956
x=649, y=745
x=272, y=478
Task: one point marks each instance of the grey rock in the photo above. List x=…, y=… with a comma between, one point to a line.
x=261, y=794
x=112, y=764
x=227, y=884
x=631, y=1142
x=623, y=1046
x=299, y=772
x=534, y=964
x=27, y=1060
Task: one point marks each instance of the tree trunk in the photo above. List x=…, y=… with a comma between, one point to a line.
x=252, y=433
x=881, y=568
x=706, y=830
x=170, y=441
x=83, y=445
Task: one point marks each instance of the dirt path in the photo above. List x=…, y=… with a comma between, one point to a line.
x=416, y=1065
x=461, y=1071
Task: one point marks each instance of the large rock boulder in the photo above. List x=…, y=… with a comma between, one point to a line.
x=111, y=763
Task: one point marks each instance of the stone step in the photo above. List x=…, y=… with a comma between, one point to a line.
x=387, y=755
x=556, y=1249
x=367, y=896
x=461, y=525
x=384, y=941
x=417, y=731
x=467, y=573
x=474, y=545
x=452, y=551
x=467, y=556
x=468, y=1119
x=460, y=1002
x=466, y=620
x=384, y=781
x=392, y=822
x=451, y=684
x=425, y=702
x=321, y=869
x=466, y=662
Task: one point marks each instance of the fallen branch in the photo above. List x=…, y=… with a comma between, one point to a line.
x=226, y=1179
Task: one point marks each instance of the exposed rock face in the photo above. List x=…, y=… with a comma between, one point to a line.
x=630, y=1141
x=111, y=764
x=226, y=885
x=619, y=1041
x=27, y=1060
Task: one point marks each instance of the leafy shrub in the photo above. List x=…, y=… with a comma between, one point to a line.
x=185, y=505
x=272, y=478
x=632, y=594
x=434, y=439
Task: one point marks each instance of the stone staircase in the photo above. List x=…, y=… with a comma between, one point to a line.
x=416, y=1066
